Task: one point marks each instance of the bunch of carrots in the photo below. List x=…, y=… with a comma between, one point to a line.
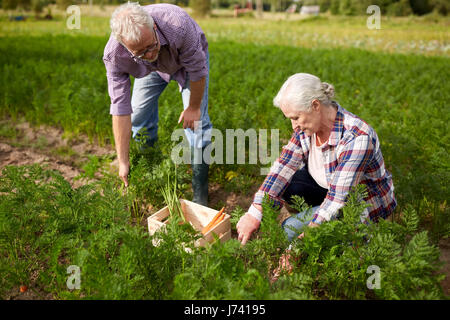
x=215, y=221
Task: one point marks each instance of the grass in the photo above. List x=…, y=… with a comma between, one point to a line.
x=401, y=96
x=426, y=35
x=46, y=226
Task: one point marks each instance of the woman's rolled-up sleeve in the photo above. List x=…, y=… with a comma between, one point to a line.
x=282, y=171
x=352, y=162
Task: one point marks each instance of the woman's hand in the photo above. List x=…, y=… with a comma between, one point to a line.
x=246, y=226
x=311, y=225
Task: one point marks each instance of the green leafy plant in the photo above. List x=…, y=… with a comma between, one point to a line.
x=338, y=254
x=47, y=225
x=170, y=195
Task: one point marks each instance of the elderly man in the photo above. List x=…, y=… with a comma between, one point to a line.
x=330, y=151
x=155, y=44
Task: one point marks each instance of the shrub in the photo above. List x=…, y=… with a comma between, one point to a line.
x=201, y=7
x=46, y=225
x=400, y=8
x=339, y=253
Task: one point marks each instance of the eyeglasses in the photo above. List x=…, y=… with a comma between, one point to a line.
x=149, y=48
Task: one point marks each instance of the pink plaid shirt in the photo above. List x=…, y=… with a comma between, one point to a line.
x=352, y=156
x=183, y=51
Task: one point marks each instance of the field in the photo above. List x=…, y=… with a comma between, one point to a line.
x=70, y=208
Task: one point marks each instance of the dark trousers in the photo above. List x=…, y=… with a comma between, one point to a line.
x=303, y=185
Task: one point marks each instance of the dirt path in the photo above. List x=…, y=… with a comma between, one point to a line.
x=46, y=146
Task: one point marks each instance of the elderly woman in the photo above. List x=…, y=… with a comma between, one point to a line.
x=330, y=151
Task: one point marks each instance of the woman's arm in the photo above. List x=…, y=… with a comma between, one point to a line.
x=290, y=160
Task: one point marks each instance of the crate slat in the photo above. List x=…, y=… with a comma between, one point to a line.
x=199, y=216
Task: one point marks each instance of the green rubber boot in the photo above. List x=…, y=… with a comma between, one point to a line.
x=199, y=179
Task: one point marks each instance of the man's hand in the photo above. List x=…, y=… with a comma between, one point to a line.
x=311, y=225
x=124, y=170
x=246, y=226
x=193, y=111
x=190, y=115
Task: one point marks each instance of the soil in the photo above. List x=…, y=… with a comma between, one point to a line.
x=47, y=147
x=37, y=145
x=444, y=247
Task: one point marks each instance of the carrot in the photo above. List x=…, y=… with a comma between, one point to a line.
x=213, y=221
x=210, y=224
x=218, y=221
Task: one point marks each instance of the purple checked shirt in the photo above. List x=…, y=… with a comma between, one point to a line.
x=183, y=51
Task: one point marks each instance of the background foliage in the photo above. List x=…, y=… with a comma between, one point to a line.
x=202, y=7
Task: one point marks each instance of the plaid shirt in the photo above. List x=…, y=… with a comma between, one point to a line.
x=352, y=156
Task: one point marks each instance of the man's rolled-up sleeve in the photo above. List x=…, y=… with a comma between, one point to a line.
x=352, y=162
x=192, y=56
x=119, y=85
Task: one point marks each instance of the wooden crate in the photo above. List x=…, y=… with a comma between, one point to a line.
x=199, y=216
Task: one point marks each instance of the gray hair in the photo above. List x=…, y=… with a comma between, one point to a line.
x=301, y=89
x=127, y=21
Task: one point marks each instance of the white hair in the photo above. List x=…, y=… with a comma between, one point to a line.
x=127, y=21
x=300, y=89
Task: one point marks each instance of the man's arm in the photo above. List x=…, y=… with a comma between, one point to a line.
x=193, y=58
x=119, y=86
x=197, y=89
x=122, y=129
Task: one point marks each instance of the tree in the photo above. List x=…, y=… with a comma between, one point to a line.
x=441, y=6
x=259, y=8
x=63, y=4
x=201, y=7
x=38, y=6
x=400, y=8
x=324, y=5
x=14, y=4
x=334, y=7
x=273, y=5
x=9, y=4
x=420, y=7
x=347, y=7
x=24, y=4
